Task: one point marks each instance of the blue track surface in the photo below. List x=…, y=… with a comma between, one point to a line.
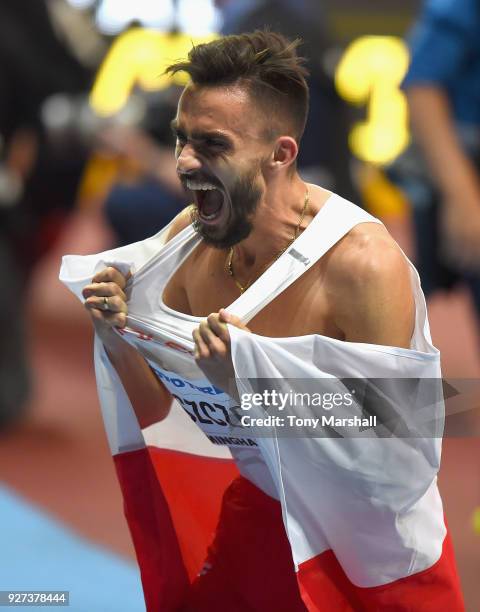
x=37, y=553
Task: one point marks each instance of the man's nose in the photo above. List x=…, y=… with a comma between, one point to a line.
x=188, y=161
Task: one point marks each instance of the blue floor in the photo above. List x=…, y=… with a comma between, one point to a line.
x=37, y=553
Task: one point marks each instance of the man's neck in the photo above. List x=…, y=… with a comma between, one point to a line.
x=276, y=220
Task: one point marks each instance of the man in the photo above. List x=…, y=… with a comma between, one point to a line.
x=238, y=129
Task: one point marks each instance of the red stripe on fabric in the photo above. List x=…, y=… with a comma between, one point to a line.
x=194, y=486
x=325, y=587
x=164, y=578
x=249, y=565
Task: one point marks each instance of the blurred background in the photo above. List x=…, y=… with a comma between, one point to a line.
x=86, y=162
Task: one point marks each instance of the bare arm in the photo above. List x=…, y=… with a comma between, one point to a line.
x=434, y=128
x=371, y=294
x=150, y=399
x=148, y=396
x=454, y=173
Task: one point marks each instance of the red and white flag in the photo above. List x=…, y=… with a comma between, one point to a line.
x=355, y=518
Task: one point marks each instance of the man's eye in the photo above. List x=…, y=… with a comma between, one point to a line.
x=211, y=143
x=181, y=141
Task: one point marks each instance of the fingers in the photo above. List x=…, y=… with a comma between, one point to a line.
x=216, y=345
x=211, y=338
x=107, y=304
x=226, y=317
x=105, y=296
x=111, y=275
x=104, y=290
x=105, y=299
x=108, y=319
x=212, y=352
x=201, y=348
x=218, y=327
x=214, y=331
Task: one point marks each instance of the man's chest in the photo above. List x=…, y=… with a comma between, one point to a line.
x=301, y=309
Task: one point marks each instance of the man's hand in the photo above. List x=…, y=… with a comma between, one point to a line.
x=212, y=348
x=106, y=301
x=149, y=398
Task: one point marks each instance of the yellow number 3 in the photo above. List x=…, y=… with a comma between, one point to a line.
x=370, y=73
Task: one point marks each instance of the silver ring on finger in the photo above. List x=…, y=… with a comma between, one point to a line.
x=105, y=303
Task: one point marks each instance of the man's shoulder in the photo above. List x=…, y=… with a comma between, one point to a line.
x=368, y=284
x=367, y=252
x=367, y=249
x=366, y=263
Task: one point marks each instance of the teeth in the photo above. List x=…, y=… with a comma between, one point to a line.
x=195, y=185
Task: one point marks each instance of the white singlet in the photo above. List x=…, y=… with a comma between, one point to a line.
x=209, y=408
x=333, y=490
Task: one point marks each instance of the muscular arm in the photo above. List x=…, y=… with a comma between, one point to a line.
x=370, y=292
x=148, y=396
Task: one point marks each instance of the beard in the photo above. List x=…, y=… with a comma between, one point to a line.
x=244, y=195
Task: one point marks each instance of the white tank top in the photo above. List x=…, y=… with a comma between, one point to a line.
x=164, y=336
x=333, y=491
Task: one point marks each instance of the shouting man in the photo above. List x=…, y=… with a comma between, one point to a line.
x=271, y=278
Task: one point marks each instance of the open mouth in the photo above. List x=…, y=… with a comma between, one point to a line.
x=210, y=201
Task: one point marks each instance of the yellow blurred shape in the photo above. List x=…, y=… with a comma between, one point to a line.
x=99, y=175
x=381, y=198
x=370, y=73
x=138, y=57
x=476, y=520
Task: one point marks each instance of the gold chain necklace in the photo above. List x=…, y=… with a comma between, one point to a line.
x=228, y=261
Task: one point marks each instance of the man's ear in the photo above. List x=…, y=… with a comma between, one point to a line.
x=285, y=153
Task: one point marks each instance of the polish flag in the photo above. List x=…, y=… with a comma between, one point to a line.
x=177, y=489
x=359, y=523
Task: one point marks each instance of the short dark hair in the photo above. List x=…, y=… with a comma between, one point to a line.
x=266, y=63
